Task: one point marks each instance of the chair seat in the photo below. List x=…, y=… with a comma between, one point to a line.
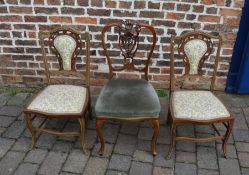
x=197, y=105
x=128, y=98
x=56, y=99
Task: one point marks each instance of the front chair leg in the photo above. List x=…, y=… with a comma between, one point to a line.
x=82, y=134
x=228, y=133
x=172, y=139
x=156, y=125
x=31, y=129
x=99, y=124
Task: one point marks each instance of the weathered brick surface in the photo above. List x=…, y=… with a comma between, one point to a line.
x=23, y=19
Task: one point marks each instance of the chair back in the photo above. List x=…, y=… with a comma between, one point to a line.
x=61, y=51
x=123, y=40
x=199, y=54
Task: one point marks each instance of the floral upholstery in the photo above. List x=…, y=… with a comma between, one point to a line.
x=194, y=50
x=65, y=45
x=60, y=99
x=128, y=98
x=197, y=105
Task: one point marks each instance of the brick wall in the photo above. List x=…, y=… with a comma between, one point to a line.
x=21, y=20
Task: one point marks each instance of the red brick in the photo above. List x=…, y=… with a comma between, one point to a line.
x=212, y=10
x=86, y=20
x=40, y=2
x=198, y=8
x=208, y=2
x=26, y=10
x=207, y=18
x=160, y=78
x=220, y=2
x=60, y=19
x=11, y=18
x=110, y=4
x=35, y=18
x=124, y=4
x=54, y=2
x=239, y=3
x=232, y=21
x=183, y=7
x=96, y=3
x=3, y=9
x=152, y=5
x=176, y=16
x=126, y=75
x=69, y=2
x=230, y=12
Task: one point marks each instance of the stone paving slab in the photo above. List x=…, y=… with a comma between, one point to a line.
x=127, y=146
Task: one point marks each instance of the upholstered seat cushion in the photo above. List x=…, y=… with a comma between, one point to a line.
x=128, y=98
x=59, y=99
x=197, y=105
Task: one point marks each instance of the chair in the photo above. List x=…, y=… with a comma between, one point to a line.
x=189, y=103
x=60, y=100
x=124, y=99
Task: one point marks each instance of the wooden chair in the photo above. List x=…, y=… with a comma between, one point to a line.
x=188, y=103
x=123, y=99
x=59, y=100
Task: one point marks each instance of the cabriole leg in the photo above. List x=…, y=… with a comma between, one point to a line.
x=99, y=124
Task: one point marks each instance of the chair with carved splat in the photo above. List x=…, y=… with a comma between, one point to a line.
x=189, y=103
x=60, y=100
x=125, y=99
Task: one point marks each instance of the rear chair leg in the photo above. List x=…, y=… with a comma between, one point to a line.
x=82, y=134
x=90, y=109
x=172, y=139
x=31, y=129
x=228, y=133
x=168, y=117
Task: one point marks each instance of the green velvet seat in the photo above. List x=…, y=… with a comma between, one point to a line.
x=128, y=98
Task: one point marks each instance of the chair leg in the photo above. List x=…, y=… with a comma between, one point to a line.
x=172, y=139
x=156, y=125
x=82, y=134
x=90, y=109
x=31, y=129
x=168, y=117
x=99, y=124
x=228, y=133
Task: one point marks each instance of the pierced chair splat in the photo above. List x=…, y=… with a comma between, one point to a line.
x=189, y=102
x=60, y=100
x=123, y=99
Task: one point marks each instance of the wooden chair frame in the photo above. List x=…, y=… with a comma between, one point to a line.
x=127, y=27
x=171, y=119
x=30, y=115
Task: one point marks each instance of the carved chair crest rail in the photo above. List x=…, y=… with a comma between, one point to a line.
x=59, y=100
x=196, y=106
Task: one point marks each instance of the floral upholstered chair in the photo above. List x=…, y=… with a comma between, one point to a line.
x=189, y=103
x=123, y=99
x=60, y=100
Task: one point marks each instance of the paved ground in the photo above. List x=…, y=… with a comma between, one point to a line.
x=127, y=147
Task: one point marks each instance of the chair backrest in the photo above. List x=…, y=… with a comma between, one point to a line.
x=127, y=43
x=66, y=45
x=195, y=49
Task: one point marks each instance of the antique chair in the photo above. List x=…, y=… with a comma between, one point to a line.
x=124, y=99
x=60, y=100
x=191, y=95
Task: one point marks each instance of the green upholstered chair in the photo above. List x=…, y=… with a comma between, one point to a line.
x=127, y=100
